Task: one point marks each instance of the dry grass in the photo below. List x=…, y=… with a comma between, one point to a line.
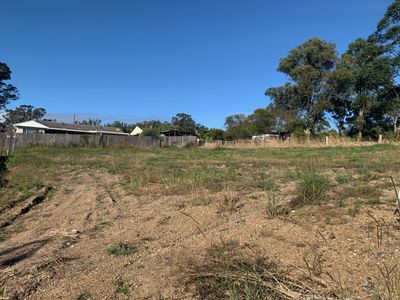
x=230, y=272
x=195, y=195
x=291, y=143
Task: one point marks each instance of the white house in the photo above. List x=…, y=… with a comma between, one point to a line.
x=60, y=127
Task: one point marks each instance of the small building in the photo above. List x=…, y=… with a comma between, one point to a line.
x=265, y=137
x=137, y=131
x=271, y=136
x=61, y=127
x=172, y=132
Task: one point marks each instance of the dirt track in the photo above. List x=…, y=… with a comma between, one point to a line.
x=58, y=250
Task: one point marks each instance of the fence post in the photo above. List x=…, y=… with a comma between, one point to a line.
x=380, y=139
x=10, y=144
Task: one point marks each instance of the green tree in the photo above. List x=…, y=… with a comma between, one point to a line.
x=24, y=113
x=215, y=134
x=371, y=72
x=125, y=127
x=283, y=110
x=388, y=35
x=339, y=92
x=237, y=127
x=183, y=122
x=21, y=114
x=8, y=92
x=388, y=30
x=201, y=131
x=93, y=122
x=307, y=67
x=261, y=121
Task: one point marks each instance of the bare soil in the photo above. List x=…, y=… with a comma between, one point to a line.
x=58, y=249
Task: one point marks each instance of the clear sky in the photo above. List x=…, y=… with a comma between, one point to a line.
x=150, y=59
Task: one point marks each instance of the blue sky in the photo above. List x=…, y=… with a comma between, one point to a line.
x=150, y=59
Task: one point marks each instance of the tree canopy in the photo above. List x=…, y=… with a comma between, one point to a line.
x=8, y=92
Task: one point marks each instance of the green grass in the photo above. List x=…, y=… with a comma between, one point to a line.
x=273, y=208
x=343, y=178
x=354, y=210
x=83, y=296
x=362, y=191
x=121, y=249
x=374, y=201
x=121, y=287
x=312, y=188
x=189, y=170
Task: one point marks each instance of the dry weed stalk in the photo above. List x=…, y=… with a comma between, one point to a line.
x=397, y=211
x=231, y=273
x=391, y=280
x=380, y=226
x=197, y=224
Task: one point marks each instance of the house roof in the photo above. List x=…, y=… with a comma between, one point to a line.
x=47, y=125
x=137, y=131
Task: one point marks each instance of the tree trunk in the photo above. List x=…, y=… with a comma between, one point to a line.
x=396, y=118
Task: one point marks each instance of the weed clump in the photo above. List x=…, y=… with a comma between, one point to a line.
x=83, y=296
x=229, y=203
x=229, y=272
x=120, y=286
x=121, y=249
x=312, y=188
x=273, y=208
x=343, y=178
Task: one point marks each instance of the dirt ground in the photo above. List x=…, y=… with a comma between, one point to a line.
x=58, y=249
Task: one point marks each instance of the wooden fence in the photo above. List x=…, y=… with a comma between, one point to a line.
x=10, y=142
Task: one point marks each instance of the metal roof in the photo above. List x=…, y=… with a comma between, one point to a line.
x=61, y=126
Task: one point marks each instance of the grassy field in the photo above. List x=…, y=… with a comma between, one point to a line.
x=336, y=202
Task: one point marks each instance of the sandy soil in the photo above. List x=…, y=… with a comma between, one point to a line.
x=58, y=250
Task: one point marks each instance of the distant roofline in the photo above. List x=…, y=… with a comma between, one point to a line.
x=30, y=124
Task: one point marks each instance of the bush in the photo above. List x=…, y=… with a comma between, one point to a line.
x=312, y=188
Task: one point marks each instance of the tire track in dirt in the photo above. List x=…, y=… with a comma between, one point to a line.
x=43, y=234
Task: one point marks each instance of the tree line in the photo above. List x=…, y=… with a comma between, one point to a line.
x=354, y=94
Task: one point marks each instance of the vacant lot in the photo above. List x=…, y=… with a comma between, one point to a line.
x=192, y=223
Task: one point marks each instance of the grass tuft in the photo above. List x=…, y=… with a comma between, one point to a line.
x=83, y=296
x=273, y=208
x=343, y=178
x=121, y=287
x=312, y=188
x=121, y=249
